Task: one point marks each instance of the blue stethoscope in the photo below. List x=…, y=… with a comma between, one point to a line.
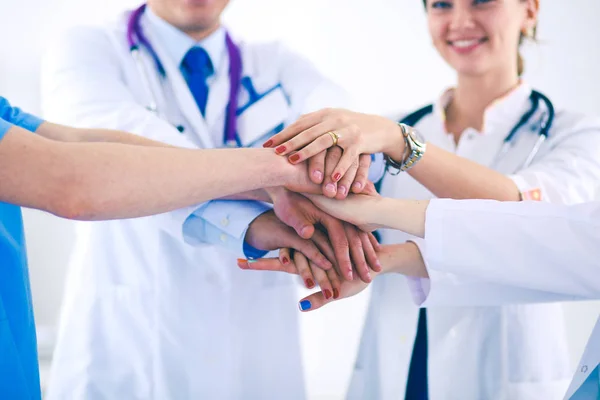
x=544, y=127
x=137, y=39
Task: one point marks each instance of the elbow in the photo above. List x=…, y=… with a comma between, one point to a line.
x=72, y=199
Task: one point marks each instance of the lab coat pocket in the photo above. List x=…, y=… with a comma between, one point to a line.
x=263, y=117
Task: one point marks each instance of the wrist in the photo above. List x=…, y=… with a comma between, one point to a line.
x=404, y=258
x=396, y=143
x=275, y=192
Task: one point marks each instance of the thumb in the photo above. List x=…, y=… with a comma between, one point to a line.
x=313, y=302
x=296, y=219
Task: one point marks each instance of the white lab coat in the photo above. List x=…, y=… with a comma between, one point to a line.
x=145, y=315
x=491, y=353
x=553, y=255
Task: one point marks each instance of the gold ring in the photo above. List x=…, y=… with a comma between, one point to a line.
x=334, y=136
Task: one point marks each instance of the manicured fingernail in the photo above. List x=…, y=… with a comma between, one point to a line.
x=378, y=265
x=343, y=189
x=337, y=177
x=369, y=276
x=310, y=284
x=358, y=186
x=294, y=158
x=318, y=175
x=304, y=305
x=336, y=293
x=285, y=260
x=252, y=261
x=268, y=143
x=350, y=276
x=242, y=263
x=330, y=187
x=280, y=149
x=327, y=294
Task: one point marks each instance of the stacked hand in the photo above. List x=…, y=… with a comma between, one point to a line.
x=358, y=135
x=324, y=240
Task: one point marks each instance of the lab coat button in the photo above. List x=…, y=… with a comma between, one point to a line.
x=223, y=237
x=584, y=369
x=225, y=221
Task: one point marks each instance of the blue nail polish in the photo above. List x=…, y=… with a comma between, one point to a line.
x=304, y=305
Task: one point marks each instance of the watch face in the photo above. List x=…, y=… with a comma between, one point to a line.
x=417, y=136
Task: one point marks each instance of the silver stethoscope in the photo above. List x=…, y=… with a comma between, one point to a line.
x=136, y=39
x=545, y=124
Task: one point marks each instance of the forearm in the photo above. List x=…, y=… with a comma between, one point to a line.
x=257, y=195
x=403, y=258
x=63, y=133
x=447, y=175
x=104, y=180
x=404, y=215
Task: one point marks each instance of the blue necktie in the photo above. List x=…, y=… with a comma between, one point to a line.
x=197, y=67
x=416, y=384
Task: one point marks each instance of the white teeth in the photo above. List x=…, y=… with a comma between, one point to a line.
x=465, y=43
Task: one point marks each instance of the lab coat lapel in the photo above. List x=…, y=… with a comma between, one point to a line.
x=218, y=98
x=589, y=361
x=183, y=96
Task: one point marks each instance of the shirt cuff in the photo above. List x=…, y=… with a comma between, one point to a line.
x=223, y=223
x=377, y=168
x=419, y=287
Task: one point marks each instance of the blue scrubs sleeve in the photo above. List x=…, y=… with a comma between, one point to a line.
x=10, y=116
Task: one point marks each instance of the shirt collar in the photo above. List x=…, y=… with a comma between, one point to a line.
x=501, y=114
x=178, y=43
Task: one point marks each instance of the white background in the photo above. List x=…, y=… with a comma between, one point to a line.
x=377, y=49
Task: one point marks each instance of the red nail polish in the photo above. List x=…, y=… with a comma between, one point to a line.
x=268, y=143
x=285, y=260
x=336, y=293
x=337, y=177
x=294, y=158
x=309, y=283
x=280, y=149
x=327, y=294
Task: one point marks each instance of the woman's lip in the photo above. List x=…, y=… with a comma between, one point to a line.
x=464, y=46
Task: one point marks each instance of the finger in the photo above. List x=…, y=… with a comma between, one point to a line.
x=349, y=156
x=310, y=250
x=284, y=256
x=316, y=167
x=357, y=253
x=369, y=250
x=332, y=158
x=362, y=175
x=313, y=302
x=324, y=284
x=322, y=241
x=295, y=218
x=303, y=139
x=304, y=270
x=301, y=124
x=345, y=184
x=266, y=264
x=341, y=246
x=336, y=283
x=321, y=141
x=376, y=245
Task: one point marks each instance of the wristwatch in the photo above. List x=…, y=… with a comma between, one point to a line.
x=414, y=149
